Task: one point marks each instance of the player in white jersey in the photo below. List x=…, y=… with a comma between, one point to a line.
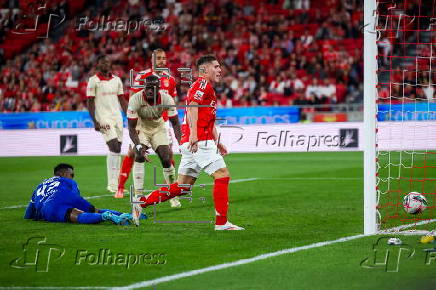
x=105, y=99
x=168, y=85
x=147, y=127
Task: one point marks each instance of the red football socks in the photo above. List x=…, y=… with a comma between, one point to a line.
x=221, y=199
x=163, y=194
x=126, y=167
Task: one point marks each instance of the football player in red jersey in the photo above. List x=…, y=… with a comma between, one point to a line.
x=200, y=148
x=168, y=86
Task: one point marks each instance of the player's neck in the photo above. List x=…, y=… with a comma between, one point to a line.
x=205, y=77
x=105, y=74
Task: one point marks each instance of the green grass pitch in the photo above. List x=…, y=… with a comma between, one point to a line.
x=284, y=201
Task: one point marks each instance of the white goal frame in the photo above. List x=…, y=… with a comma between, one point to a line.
x=370, y=111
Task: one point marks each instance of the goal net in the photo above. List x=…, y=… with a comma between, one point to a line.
x=405, y=110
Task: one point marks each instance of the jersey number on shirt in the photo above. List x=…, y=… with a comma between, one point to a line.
x=47, y=189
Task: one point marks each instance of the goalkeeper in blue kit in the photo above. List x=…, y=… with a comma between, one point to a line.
x=57, y=199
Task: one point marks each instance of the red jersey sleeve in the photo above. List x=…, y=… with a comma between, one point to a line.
x=197, y=92
x=173, y=88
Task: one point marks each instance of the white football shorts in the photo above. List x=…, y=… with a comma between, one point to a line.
x=206, y=158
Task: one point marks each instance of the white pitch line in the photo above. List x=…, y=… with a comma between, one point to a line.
x=208, y=184
x=25, y=205
x=403, y=227
x=54, y=288
x=235, y=263
x=169, y=278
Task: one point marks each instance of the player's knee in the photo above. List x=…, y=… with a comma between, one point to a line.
x=131, y=153
x=74, y=215
x=117, y=148
x=114, y=146
x=166, y=162
x=221, y=173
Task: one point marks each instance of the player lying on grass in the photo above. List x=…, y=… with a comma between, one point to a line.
x=57, y=199
x=200, y=148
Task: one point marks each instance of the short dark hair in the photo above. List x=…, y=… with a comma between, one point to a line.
x=205, y=59
x=158, y=50
x=61, y=167
x=152, y=80
x=100, y=57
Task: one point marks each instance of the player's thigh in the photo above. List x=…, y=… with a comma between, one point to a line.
x=208, y=158
x=159, y=138
x=170, y=133
x=119, y=130
x=73, y=215
x=188, y=166
x=145, y=137
x=110, y=132
x=56, y=213
x=164, y=153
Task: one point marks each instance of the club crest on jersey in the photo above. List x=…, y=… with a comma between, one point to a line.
x=198, y=95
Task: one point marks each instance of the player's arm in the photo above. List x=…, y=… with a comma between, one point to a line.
x=132, y=131
x=132, y=122
x=174, y=119
x=176, y=127
x=140, y=149
x=90, y=102
x=192, y=111
x=79, y=202
x=121, y=98
x=222, y=149
x=123, y=103
x=30, y=211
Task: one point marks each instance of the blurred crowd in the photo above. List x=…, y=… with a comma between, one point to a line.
x=292, y=52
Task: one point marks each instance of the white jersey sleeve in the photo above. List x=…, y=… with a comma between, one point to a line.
x=134, y=105
x=120, y=87
x=90, y=88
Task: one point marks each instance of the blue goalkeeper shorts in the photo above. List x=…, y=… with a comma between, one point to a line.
x=56, y=212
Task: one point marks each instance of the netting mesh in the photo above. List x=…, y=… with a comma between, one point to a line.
x=406, y=127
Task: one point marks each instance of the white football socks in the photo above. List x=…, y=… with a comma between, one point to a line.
x=113, y=162
x=138, y=176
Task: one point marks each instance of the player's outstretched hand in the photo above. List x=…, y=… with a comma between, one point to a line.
x=141, y=150
x=222, y=149
x=193, y=143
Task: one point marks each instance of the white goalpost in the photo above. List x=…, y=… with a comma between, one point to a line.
x=399, y=101
x=370, y=92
